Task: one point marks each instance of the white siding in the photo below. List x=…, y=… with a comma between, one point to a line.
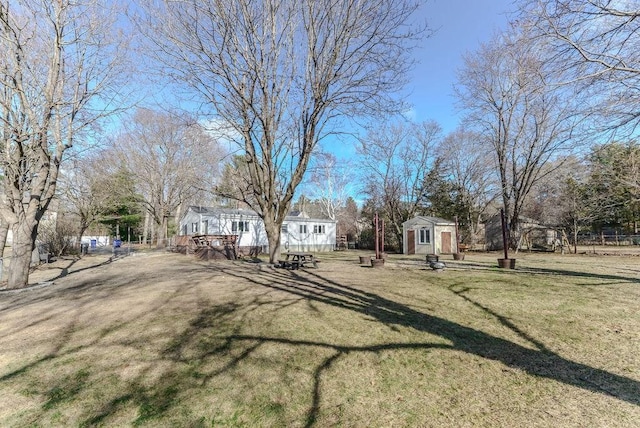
x=307, y=234
x=302, y=234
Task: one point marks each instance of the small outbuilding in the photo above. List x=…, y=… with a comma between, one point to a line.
x=429, y=235
x=534, y=235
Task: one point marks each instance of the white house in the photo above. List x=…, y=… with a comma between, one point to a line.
x=299, y=232
x=429, y=235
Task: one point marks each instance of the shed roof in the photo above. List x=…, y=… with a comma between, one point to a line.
x=420, y=219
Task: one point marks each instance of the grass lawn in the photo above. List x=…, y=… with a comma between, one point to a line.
x=161, y=339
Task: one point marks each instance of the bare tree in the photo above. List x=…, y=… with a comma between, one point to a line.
x=171, y=159
x=349, y=220
x=565, y=199
x=598, y=43
x=234, y=186
x=330, y=183
x=56, y=236
x=472, y=171
x=510, y=96
x=84, y=192
x=281, y=73
x=58, y=72
x=395, y=161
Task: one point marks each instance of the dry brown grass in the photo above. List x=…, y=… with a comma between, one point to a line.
x=162, y=340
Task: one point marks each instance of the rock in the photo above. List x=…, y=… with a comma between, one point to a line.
x=437, y=265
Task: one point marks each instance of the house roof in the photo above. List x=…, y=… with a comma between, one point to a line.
x=429, y=219
x=217, y=210
x=297, y=213
x=293, y=216
x=525, y=222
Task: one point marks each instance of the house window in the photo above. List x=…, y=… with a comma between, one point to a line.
x=240, y=226
x=284, y=228
x=194, y=227
x=205, y=227
x=318, y=228
x=303, y=228
x=425, y=236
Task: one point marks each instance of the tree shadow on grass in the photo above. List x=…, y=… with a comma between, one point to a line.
x=224, y=323
x=539, y=362
x=591, y=275
x=501, y=319
x=550, y=271
x=152, y=401
x=338, y=352
x=64, y=271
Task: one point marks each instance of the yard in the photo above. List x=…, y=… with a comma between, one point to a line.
x=159, y=339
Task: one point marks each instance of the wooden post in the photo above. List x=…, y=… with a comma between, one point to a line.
x=382, y=238
x=457, y=235
x=504, y=234
x=375, y=226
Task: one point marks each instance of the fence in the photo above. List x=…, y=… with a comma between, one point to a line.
x=602, y=239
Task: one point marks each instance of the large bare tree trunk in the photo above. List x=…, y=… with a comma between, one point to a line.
x=24, y=234
x=145, y=231
x=4, y=232
x=272, y=228
x=152, y=232
x=162, y=233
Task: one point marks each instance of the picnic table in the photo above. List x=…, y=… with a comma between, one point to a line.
x=295, y=260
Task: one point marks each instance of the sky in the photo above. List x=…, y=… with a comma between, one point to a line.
x=461, y=26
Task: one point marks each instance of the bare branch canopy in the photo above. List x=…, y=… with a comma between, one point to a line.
x=281, y=73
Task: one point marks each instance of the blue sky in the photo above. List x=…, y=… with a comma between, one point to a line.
x=461, y=25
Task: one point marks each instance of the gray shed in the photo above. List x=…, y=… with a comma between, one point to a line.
x=429, y=235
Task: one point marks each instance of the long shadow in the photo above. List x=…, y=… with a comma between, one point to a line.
x=65, y=271
x=564, y=272
x=538, y=362
x=152, y=401
x=215, y=317
x=339, y=351
x=502, y=319
x=24, y=296
x=549, y=271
